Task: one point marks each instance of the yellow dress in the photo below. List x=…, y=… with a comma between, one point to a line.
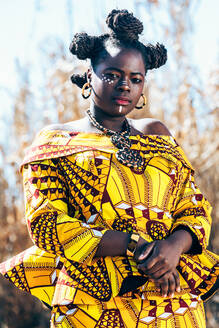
x=75, y=190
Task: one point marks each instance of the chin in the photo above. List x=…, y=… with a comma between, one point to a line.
x=125, y=110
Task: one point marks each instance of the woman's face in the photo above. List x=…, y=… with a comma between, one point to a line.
x=118, y=81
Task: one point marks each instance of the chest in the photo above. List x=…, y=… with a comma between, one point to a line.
x=103, y=191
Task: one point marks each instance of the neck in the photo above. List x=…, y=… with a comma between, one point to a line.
x=110, y=122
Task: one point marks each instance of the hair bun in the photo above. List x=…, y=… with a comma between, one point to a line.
x=79, y=80
x=82, y=45
x=156, y=56
x=124, y=24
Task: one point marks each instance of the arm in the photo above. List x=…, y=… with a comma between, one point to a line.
x=51, y=220
x=189, y=234
x=160, y=259
x=113, y=243
x=193, y=213
x=50, y=217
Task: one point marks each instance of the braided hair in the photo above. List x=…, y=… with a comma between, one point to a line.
x=124, y=32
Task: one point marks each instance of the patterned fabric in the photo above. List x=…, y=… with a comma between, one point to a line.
x=34, y=271
x=76, y=190
x=132, y=313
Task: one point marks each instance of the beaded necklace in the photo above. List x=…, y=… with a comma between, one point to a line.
x=125, y=155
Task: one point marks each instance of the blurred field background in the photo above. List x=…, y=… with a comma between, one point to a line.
x=37, y=91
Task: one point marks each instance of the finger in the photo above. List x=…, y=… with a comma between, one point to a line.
x=157, y=267
x=164, y=285
x=177, y=281
x=157, y=271
x=142, y=269
x=158, y=274
x=151, y=261
x=144, y=266
x=157, y=285
x=146, y=252
x=172, y=285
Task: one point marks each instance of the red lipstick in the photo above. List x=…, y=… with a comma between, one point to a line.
x=124, y=101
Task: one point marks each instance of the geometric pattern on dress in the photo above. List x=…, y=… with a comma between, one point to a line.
x=157, y=230
x=46, y=178
x=71, y=317
x=34, y=271
x=17, y=277
x=160, y=146
x=172, y=313
x=89, y=188
x=194, y=273
x=208, y=284
x=193, y=210
x=14, y=270
x=93, y=280
x=151, y=210
x=50, y=225
x=44, y=183
x=86, y=186
x=43, y=230
x=104, y=194
x=111, y=319
x=126, y=272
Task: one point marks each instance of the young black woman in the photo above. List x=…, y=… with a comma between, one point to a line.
x=119, y=225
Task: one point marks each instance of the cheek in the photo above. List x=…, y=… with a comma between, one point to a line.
x=101, y=87
x=136, y=96
x=137, y=91
x=106, y=80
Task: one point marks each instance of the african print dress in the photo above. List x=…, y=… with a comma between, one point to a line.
x=75, y=190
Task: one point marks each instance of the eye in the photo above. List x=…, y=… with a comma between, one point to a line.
x=112, y=76
x=136, y=80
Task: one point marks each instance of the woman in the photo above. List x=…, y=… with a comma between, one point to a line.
x=119, y=226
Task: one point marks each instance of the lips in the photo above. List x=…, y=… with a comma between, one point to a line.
x=122, y=100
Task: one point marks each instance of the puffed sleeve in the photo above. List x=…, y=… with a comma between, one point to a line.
x=51, y=220
x=193, y=211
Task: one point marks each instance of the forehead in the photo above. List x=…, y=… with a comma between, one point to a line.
x=127, y=60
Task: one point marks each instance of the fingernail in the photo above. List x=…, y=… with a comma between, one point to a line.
x=141, y=256
x=178, y=289
x=165, y=295
x=172, y=295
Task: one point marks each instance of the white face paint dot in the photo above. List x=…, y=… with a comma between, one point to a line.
x=107, y=80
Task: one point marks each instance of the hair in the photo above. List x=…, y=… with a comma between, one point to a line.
x=124, y=32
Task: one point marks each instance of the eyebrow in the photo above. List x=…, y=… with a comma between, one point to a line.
x=119, y=70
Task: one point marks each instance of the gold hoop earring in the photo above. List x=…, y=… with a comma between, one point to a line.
x=144, y=102
x=86, y=85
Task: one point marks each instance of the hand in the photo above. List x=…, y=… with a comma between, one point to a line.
x=158, y=261
x=168, y=284
x=143, y=247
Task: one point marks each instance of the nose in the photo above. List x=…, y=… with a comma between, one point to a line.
x=123, y=86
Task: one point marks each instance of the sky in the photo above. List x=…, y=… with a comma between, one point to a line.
x=25, y=23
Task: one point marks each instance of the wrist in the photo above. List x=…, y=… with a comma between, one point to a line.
x=181, y=240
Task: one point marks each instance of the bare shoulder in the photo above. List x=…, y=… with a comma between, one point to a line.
x=150, y=126
x=73, y=126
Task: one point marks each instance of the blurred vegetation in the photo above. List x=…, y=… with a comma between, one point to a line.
x=175, y=95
